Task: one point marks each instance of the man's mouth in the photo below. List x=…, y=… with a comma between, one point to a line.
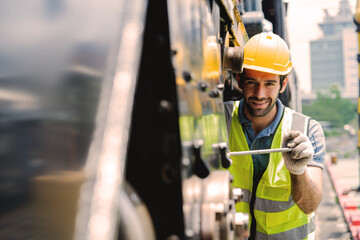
x=259, y=103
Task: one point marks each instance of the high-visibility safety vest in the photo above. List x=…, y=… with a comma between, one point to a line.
x=277, y=216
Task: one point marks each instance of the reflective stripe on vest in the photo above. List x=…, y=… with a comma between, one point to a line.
x=301, y=232
x=270, y=206
x=266, y=204
x=276, y=213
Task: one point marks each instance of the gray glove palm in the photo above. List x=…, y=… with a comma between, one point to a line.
x=302, y=153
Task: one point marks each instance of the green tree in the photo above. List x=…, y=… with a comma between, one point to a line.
x=330, y=106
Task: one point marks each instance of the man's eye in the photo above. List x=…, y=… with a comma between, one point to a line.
x=250, y=82
x=269, y=84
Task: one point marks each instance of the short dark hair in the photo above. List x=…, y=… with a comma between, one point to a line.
x=282, y=78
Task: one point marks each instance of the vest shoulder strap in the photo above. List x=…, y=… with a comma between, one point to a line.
x=300, y=122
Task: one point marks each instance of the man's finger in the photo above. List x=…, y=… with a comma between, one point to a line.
x=300, y=139
x=303, y=150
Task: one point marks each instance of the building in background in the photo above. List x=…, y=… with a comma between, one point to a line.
x=333, y=56
x=350, y=48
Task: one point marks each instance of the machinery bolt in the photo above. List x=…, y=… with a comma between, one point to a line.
x=203, y=86
x=231, y=178
x=186, y=161
x=214, y=93
x=165, y=106
x=220, y=86
x=200, y=166
x=173, y=52
x=187, y=76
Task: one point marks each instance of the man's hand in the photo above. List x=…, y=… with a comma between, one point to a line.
x=302, y=153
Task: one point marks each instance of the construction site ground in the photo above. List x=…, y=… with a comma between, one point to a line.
x=338, y=216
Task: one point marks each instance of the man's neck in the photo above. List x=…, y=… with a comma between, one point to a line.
x=260, y=123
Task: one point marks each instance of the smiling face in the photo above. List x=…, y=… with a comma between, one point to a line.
x=260, y=90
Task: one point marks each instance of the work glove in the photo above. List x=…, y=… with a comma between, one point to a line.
x=302, y=153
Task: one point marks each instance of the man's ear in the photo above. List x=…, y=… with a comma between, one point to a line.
x=283, y=87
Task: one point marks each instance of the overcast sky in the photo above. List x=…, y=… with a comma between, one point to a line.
x=303, y=17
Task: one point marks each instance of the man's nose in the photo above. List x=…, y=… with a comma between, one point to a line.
x=260, y=91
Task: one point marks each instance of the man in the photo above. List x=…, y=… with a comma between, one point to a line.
x=281, y=190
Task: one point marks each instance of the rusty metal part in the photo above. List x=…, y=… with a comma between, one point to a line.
x=233, y=59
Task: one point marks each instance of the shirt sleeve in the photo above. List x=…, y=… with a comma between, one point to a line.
x=228, y=106
x=317, y=139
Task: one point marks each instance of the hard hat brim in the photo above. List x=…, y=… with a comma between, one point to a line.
x=268, y=70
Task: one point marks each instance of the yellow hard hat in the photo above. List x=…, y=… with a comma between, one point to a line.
x=267, y=52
